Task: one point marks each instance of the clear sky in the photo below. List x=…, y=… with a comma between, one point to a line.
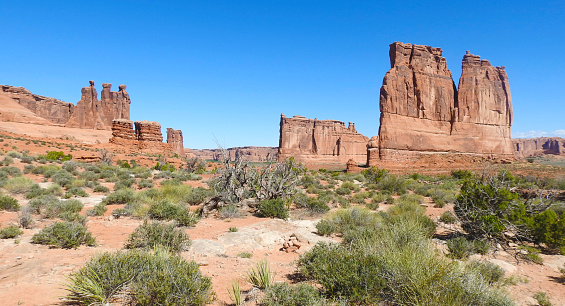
x=226, y=70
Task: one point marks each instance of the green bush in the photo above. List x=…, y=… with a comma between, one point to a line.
x=11, y=171
x=229, y=211
x=100, y=188
x=542, y=298
x=261, y=275
x=122, y=196
x=58, y=155
x=19, y=185
x=345, y=220
x=385, y=266
x=11, y=231
x=158, y=278
x=274, y=208
x=75, y=191
x=392, y=184
x=150, y=235
x=63, y=178
x=8, y=203
x=491, y=272
x=65, y=235
x=283, y=294
x=447, y=217
x=98, y=209
x=343, y=191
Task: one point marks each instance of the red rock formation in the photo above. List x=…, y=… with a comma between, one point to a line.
x=539, y=146
x=422, y=112
x=56, y=111
x=115, y=104
x=146, y=136
x=174, y=138
x=122, y=132
x=320, y=141
x=254, y=154
x=89, y=112
x=351, y=166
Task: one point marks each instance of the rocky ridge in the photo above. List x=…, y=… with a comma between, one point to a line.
x=538, y=146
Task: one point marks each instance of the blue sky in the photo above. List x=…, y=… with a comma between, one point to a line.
x=226, y=70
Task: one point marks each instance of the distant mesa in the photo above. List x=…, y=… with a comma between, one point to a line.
x=320, y=141
x=529, y=147
x=422, y=112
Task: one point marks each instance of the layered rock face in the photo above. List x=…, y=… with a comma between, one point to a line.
x=91, y=113
x=320, y=141
x=56, y=111
x=174, y=138
x=422, y=112
x=539, y=146
x=146, y=135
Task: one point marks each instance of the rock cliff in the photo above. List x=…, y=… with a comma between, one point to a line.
x=174, y=138
x=55, y=111
x=538, y=146
x=320, y=141
x=422, y=111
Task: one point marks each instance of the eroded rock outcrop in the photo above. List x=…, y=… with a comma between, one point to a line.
x=174, y=138
x=54, y=110
x=320, y=141
x=422, y=112
x=539, y=146
x=91, y=113
x=146, y=135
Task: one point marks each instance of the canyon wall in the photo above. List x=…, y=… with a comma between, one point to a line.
x=55, y=111
x=320, y=141
x=539, y=146
x=422, y=112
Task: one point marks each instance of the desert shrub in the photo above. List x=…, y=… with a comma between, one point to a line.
x=11, y=231
x=8, y=160
x=447, y=217
x=316, y=205
x=65, y=235
x=58, y=155
x=11, y=171
x=549, y=228
x=100, y=188
x=273, y=208
x=35, y=191
x=197, y=196
x=392, y=184
x=373, y=205
x=404, y=210
x=261, y=275
x=164, y=210
x=70, y=166
x=27, y=159
x=491, y=272
x=186, y=218
x=385, y=266
x=151, y=235
x=63, y=178
x=98, y=210
x=373, y=175
x=145, y=183
x=228, y=211
x=462, y=174
x=25, y=217
x=8, y=203
x=350, y=185
x=122, y=196
x=19, y=185
x=345, y=220
x=75, y=191
x=343, y=191
x=238, y=180
x=542, y=298
x=283, y=294
x=411, y=198
x=158, y=278
x=460, y=248
x=14, y=154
